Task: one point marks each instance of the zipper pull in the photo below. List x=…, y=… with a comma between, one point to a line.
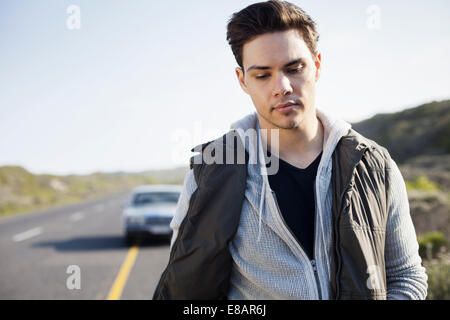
x=313, y=263
x=316, y=275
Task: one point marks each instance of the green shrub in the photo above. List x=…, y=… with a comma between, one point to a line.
x=431, y=243
x=438, y=272
x=422, y=183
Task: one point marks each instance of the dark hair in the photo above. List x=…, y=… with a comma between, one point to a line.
x=270, y=16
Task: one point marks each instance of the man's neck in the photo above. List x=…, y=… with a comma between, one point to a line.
x=299, y=146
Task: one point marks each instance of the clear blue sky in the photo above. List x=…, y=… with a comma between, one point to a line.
x=142, y=82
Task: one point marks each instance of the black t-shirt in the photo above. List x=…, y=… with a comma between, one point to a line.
x=294, y=190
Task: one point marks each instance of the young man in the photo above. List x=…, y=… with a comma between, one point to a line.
x=332, y=222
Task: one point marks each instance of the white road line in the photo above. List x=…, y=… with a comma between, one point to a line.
x=77, y=216
x=27, y=234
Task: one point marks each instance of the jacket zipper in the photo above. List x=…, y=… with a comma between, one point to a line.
x=316, y=275
x=338, y=256
x=336, y=231
x=336, y=242
x=312, y=262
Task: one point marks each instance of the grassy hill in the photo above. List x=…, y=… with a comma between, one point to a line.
x=22, y=191
x=419, y=131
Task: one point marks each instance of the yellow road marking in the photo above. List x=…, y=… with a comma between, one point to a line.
x=121, y=279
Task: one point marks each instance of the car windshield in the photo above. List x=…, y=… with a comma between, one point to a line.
x=155, y=197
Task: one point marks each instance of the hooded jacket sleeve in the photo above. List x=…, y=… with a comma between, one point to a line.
x=406, y=277
x=189, y=186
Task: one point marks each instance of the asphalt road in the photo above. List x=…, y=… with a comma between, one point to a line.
x=37, y=250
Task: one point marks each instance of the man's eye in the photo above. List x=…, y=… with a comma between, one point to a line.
x=295, y=70
x=291, y=71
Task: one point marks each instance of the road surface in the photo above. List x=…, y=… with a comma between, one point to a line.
x=77, y=252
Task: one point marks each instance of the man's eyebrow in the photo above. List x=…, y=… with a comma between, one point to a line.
x=291, y=63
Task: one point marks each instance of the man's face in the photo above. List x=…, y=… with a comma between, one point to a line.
x=279, y=68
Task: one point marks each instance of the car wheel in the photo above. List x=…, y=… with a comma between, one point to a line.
x=130, y=239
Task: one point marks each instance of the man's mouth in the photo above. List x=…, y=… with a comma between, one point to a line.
x=286, y=107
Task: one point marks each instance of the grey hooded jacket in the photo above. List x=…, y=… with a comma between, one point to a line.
x=268, y=263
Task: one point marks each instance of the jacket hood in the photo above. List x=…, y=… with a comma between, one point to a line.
x=334, y=129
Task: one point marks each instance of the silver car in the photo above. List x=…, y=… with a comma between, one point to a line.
x=149, y=211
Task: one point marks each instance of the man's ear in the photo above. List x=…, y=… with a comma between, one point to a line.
x=318, y=63
x=241, y=79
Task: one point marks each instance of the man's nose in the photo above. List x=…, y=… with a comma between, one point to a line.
x=282, y=85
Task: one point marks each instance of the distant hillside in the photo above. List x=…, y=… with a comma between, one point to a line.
x=419, y=131
x=22, y=191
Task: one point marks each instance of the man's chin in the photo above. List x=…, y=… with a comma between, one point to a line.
x=286, y=124
x=288, y=121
